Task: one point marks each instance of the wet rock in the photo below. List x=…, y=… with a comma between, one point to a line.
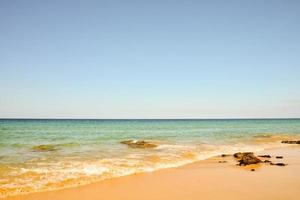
x=264, y=156
x=291, y=141
x=247, y=158
x=278, y=164
x=44, y=147
x=224, y=155
x=239, y=154
x=139, y=144
x=279, y=157
x=222, y=161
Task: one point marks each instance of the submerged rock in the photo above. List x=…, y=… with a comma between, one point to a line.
x=264, y=156
x=44, y=147
x=263, y=136
x=139, y=144
x=247, y=158
x=291, y=141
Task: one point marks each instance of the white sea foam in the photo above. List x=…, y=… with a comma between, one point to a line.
x=87, y=171
x=94, y=170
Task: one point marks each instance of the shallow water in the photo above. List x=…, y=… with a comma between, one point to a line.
x=38, y=155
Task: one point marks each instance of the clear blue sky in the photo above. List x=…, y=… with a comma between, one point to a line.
x=149, y=59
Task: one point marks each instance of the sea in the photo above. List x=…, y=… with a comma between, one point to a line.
x=49, y=154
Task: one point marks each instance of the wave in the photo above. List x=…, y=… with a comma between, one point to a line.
x=64, y=172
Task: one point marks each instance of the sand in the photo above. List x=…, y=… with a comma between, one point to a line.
x=206, y=179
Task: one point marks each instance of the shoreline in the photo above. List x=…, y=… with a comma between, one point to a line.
x=204, y=170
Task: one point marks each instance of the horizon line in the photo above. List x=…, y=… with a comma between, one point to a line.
x=241, y=118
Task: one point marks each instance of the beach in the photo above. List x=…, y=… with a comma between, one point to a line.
x=207, y=179
x=83, y=157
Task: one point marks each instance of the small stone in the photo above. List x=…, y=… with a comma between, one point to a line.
x=278, y=164
x=267, y=161
x=279, y=157
x=252, y=170
x=222, y=161
x=224, y=155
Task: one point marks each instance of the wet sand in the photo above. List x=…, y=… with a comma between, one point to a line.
x=206, y=179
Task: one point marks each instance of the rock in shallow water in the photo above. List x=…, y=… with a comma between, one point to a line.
x=139, y=144
x=44, y=147
x=247, y=158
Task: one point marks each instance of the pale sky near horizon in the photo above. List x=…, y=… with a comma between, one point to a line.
x=149, y=59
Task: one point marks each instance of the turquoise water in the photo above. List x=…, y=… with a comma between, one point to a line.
x=78, y=152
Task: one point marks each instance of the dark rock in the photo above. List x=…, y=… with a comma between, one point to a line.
x=44, y=147
x=278, y=164
x=264, y=156
x=224, y=155
x=239, y=155
x=247, y=158
x=139, y=144
x=291, y=141
x=267, y=161
x=279, y=157
x=252, y=170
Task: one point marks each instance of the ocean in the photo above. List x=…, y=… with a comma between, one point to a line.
x=47, y=154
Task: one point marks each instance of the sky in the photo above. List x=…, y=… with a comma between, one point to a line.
x=149, y=59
